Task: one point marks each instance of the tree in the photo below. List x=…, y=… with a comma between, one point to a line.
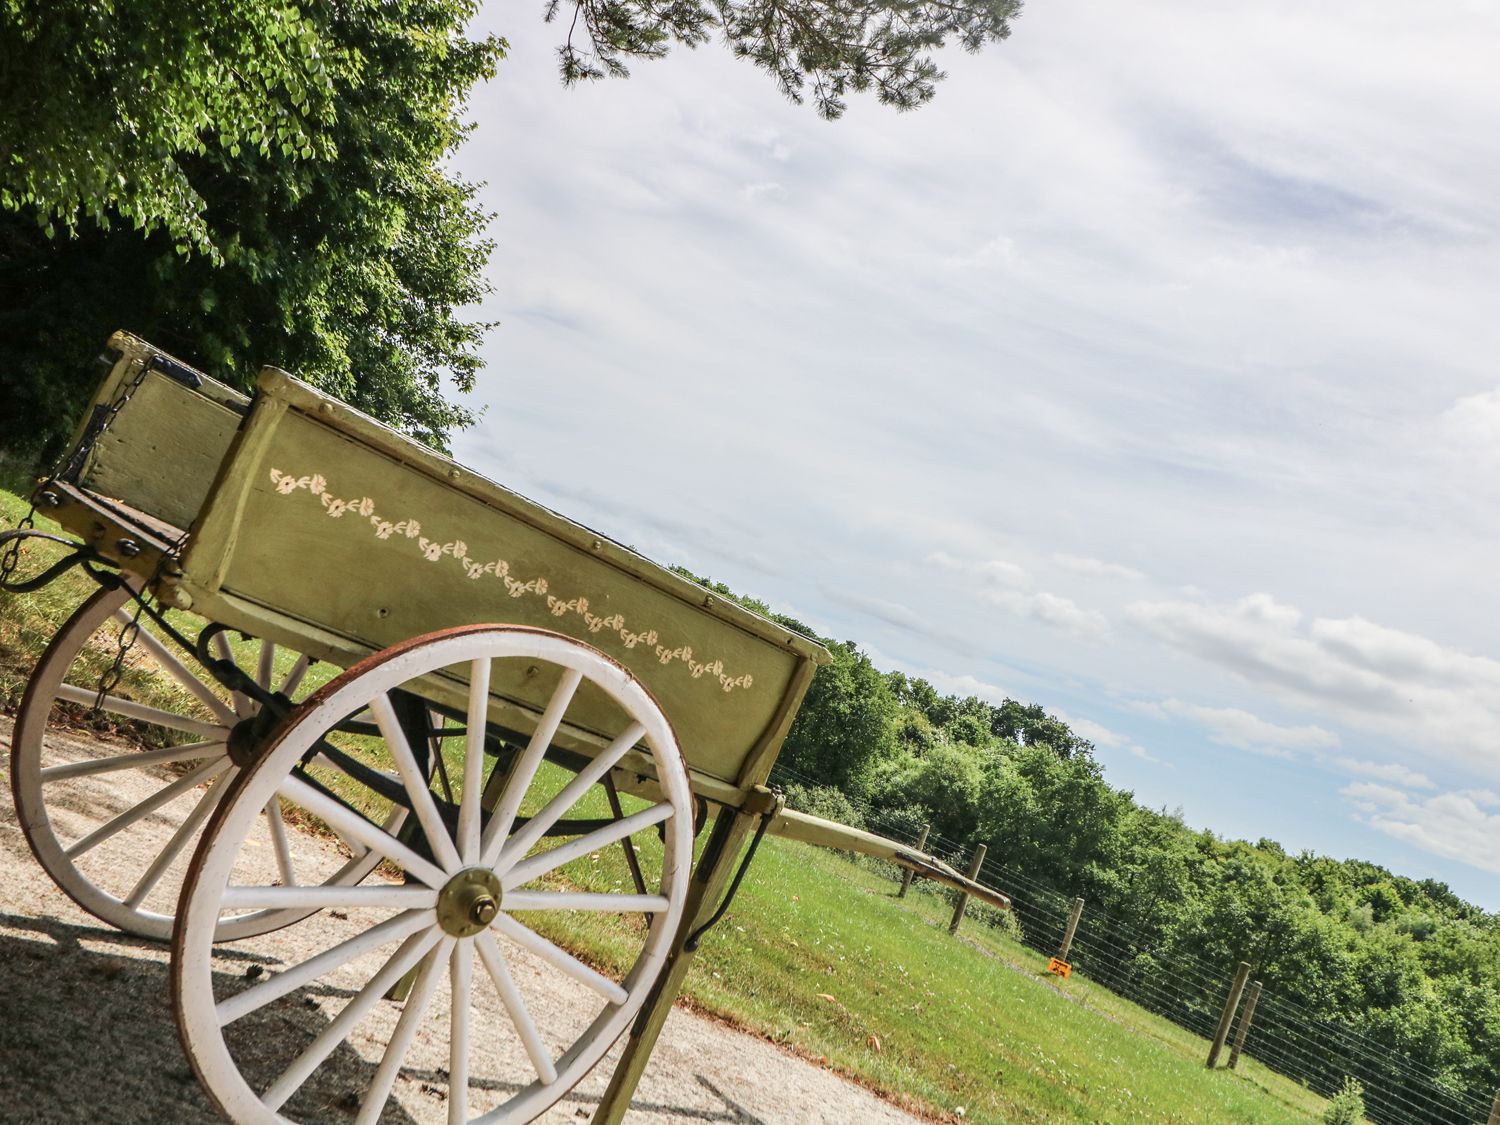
x=1053, y=818
x=832, y=48
x=1029, y=723
x=1155, y=872
x=105, y=104
x=940, y=787
x=304, y=220
x=845, y=722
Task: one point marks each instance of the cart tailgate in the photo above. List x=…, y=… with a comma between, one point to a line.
x=154, y=436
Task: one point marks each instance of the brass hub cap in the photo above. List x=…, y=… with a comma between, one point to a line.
x=469, y=901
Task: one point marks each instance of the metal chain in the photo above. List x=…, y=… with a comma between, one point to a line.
x=109, y=679
x=12, y=555
x=123, y=394
x=72, y=461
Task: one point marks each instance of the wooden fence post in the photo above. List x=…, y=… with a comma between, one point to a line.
x=1230, y=1004
x=908, y=873
x=963, y=898
x=1067, y=941
x=1495, y=1110
x=1244, y=1028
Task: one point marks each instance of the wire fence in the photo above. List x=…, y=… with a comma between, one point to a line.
x=1285, y=1036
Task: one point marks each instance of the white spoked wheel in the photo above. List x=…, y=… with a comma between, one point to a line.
x=112, y=816
x=500, y=1020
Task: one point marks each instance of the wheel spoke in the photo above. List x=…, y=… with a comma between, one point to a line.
x=294, y=677
x=351, y=826
x=524, y=840
x=416, y=784
x=399, y=928
x=267, y=666
x=584, y=900
x=504, y=816
x=461, y=983
x=412, y=950
x=242, y=705
x=538, y=865
x=277, y=825
x=406, y=1031
x=395, y=896
x=132, y=761
x=468, y=804
x=435, y=743
x=206, y=804
x=183, y=674
x=132, y=710
x=515, y=1007
x=561, y=960
x=186, y=782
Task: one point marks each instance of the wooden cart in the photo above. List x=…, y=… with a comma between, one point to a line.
x=501, y=697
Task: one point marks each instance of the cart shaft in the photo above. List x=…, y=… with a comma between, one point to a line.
x=830, y=834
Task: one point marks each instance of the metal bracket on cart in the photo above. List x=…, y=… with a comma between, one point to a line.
x=768, y=803
x=81, y=554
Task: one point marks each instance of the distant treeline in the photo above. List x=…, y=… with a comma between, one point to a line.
x=1405, y=970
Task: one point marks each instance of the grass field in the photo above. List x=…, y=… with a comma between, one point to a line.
x=818, y=954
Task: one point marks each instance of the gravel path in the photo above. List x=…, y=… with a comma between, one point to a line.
x=87, y=1032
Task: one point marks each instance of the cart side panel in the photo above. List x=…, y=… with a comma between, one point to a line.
x=313, y=525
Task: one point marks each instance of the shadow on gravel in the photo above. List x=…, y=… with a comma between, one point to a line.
x=87, y=1034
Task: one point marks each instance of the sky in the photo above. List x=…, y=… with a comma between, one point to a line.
x=1148, y=373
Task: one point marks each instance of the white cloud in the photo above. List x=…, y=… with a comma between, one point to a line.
x=1486, y=797
x=1145, y=755
x=1394, y=772
x=962, y=685
x=1054, y=610
x=764, y=189
x=1231, y=726
x=965, y=685
x=1097, y=733
x=1474, y=422
x=1398, y=684
x=1451, y=825
x=1207, y=298
x=999, y=250
x=1148, y=707
x=999, y=571
x=1097, y=568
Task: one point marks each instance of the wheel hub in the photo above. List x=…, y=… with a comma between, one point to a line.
x=245, y=742
x=249, y=738
x=469, y=902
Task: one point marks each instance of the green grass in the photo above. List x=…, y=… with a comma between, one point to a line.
x=819, y=955
x=959, y=1023
x=27, y=621
x=974, y=1022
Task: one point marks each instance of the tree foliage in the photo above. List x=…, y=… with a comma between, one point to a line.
x=294, y=213
x=107, y=103
x=826, y=49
